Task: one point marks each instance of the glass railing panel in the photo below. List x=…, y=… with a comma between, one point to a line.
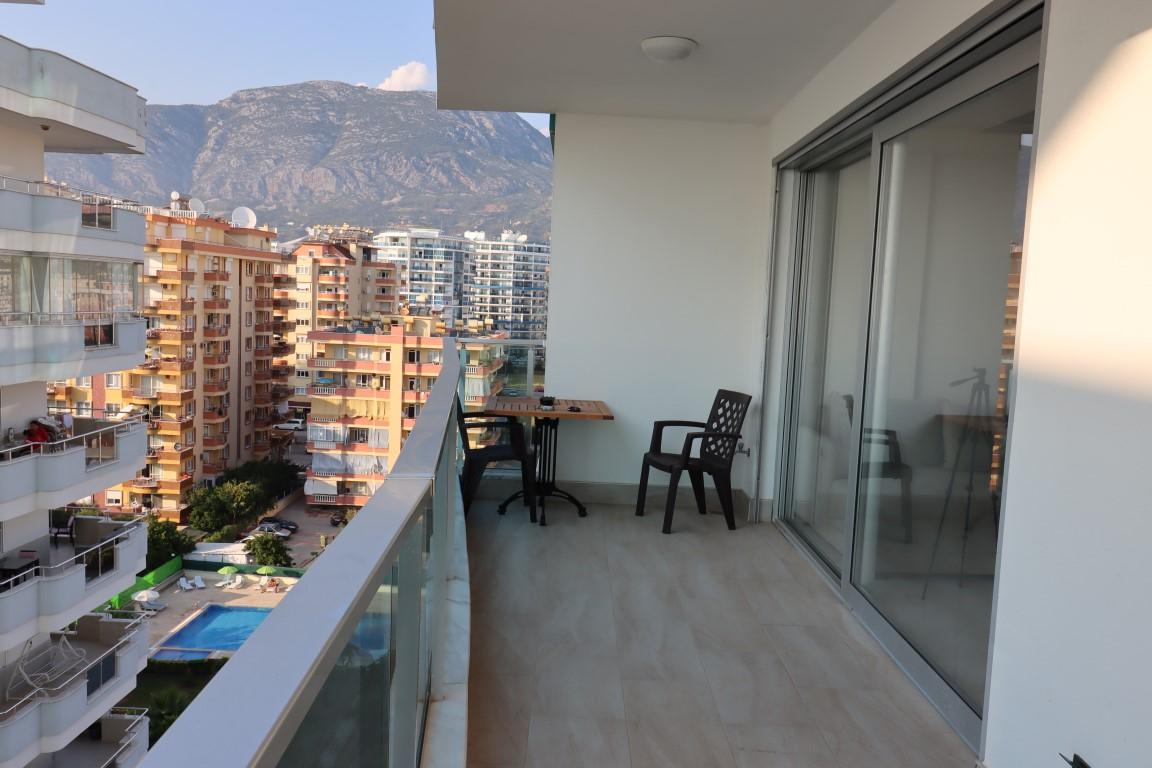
x=349, y=722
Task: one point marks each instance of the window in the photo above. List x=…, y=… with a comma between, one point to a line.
x=301, y=338
x=113, y=498
x=112, y=380
x=357, y=435
x=96, y=211
x=248, y=289
x=248, y=393
x=189, y=381
x=84, y=408
x=248, y=271
x=413, y=355
x=84, y=381
x=248, y=344
x=301, y=355
x=248, y=369
x=302, y=373
x=247, y=318
x=247, y=441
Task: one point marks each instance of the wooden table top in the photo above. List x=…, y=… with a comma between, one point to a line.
x=590, y=410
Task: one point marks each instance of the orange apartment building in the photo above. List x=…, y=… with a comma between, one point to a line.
x=217, y=372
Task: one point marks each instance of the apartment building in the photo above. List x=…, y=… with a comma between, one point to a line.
x=434, y=266
x=217, y=369
x=69, y=296
x=506, y=282
x=367, y=387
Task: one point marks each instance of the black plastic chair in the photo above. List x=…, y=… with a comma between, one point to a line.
x=717, y=449
x=512, y=447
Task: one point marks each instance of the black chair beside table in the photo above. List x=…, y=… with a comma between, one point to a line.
x=718, y=439
x=512, y=447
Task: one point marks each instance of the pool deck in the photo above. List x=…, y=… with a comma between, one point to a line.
x=181, y=605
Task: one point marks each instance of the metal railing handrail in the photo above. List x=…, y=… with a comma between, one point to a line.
x=130, y=733
x=128, y=528
x=129, y=631
x=78, y=440
x=57, y=189
x=320, y=614
x=68, y=318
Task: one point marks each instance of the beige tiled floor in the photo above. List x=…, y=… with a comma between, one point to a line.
x=599, y=643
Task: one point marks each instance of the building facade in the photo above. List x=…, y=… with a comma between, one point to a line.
x=69, y=300
x=434, y=266
x=506, y=283
x=217, y=369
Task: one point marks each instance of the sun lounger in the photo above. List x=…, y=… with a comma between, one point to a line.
x=225, y=583
x=198, y=582
x=237, y=582
x=153, y=608
x=185, y=585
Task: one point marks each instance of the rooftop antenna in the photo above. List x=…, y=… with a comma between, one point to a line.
x=243, y=218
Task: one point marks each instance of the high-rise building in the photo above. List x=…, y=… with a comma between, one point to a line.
x=367, y=389
x=69, y=262
x=507, y=283
x=435, y=268
x=217, y=368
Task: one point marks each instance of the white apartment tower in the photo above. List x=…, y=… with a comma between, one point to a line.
x=69, y=267
x=507, y=283
x=435, y=265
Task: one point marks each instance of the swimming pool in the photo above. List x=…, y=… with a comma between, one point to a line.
x=216, y=628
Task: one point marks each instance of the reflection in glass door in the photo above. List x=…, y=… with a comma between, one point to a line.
x=952, y=191
x=833, y=278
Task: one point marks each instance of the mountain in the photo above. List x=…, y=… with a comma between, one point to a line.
x=328, y=152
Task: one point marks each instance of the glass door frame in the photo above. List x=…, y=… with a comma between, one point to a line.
x=790, y=254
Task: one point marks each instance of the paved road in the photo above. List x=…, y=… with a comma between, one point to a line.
x=306, y=541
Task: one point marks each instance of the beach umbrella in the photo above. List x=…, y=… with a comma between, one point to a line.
x=146, y=596
x=266, y=570
x=228, y=570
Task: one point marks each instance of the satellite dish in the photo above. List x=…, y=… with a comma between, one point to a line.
x=196, y=205
x=174, y=196
x=244, y=218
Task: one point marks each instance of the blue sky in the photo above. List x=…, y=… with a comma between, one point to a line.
x=200, y=52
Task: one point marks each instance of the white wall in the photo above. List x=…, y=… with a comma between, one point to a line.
x=1070, y=664
x=21, y=152
x=659, y=254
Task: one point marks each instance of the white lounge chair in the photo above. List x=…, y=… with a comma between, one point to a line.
x=225, y=583
x=198, y=582
x=237, y=582
x=263, y=585
x=185, y=585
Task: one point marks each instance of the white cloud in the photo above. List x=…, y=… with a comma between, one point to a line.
x=412, y=76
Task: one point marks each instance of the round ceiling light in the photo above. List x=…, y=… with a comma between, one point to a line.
x=665, y=48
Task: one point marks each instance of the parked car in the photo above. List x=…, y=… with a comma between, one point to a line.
x=293, y=425
x=338, y=519
x=272, y=528
x=280, y=521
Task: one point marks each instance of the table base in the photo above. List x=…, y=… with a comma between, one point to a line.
x=544, y=443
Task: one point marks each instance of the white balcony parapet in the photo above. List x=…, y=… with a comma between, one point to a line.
x=369, y=625
x=100, y=454
x=49, y=218
x=123, y=742
x=54, y=692
x=50, y=346
x=52, y=88
x=67, y=580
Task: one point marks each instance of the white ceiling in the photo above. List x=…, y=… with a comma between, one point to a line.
x=584, y=55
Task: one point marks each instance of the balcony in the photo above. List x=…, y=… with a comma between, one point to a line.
x=169, y=484
x=214, y=467
x=215, y=387
x=100, y=454
x=214, y=416
x=216, y=303
x=171, y=335
x=65, y=578
x=262, y=352
x=338, y=499
x=216, y=331
x=175, y=365
x=215, y=360
x=214, y=441
x=262, y=375
x=45, y=346
x=79, y=675
x=172, y=426
x=171, y=455
x=264, y=303
x=122, y=743
x=217, y=277
x=172, y=306
x=175, y=396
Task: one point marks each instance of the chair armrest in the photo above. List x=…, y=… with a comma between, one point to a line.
x=491, y=425
x=658, y=431
x=692, y=437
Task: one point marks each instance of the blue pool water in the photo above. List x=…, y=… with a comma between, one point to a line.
x=218, y=627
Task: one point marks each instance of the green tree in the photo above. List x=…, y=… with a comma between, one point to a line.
x=166, y=542
x=164, y=706
x=207, y=510
x=245, y=500
x=227, y=533
x=268, y=549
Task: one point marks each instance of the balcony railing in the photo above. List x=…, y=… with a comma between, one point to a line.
x=353, y=687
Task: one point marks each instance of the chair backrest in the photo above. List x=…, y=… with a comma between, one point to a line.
x=727, y=415
x=461, y=427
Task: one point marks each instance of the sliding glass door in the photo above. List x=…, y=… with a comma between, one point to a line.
x=905, y=269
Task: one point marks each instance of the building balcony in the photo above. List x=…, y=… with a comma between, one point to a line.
x=215, y=360
x=175, y=396
x=263, y=279
x=262, y=352
x=281, y=372
x=41, y=217
x=350, y=392
x=422, y=369
x=142, y=396
x=59, y=578
x=175, y=365
x=214, y=467
x=260, y=447
x=171, y=277
x=381, y=366
x=337, y=499
x=170, y=335
x=214, y=416
x=214, y=441
x=216, y=304
x=173, y=456
x=329, y=279
x=262, y=398
x=44, y=346
x=175, y=485
x=215, y=387
x=262, y=375
x=415, y=396
x=217, y=277
x=100, y=454
x=171, y=306
x=216, y=331
x=79, y=675
x=281, y=350
x=333, y=314
x=122, y=742
x=265, y=303
x=171, y=426
x=263, y=328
